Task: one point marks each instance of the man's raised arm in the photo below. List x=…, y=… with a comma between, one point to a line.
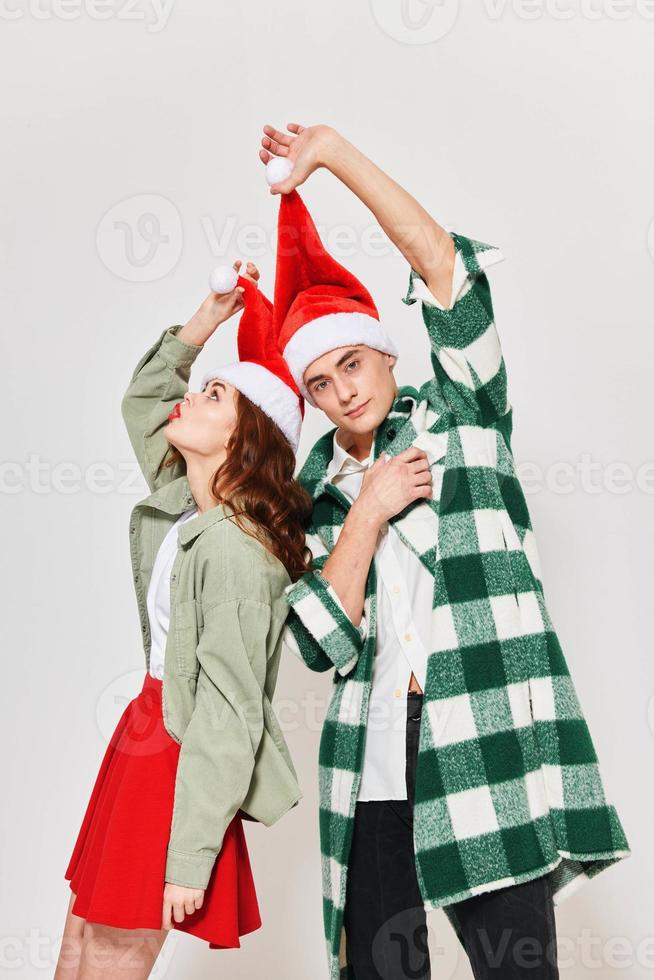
x=425, y=244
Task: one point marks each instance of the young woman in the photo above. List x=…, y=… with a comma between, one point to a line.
x=213, y=547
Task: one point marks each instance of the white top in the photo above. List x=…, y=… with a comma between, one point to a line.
x=404, y=604
x=159, y=594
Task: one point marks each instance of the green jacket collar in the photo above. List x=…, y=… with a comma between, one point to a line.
x=174, y=498
x=190, y=530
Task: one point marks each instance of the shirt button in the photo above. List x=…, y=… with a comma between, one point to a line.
x=398, y=692
x=408, y=637
x=396, y=589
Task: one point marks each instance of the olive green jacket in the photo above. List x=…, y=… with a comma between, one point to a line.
x=227, y=614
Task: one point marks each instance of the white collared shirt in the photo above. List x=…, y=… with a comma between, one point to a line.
x=404, y=604
x=158, y=599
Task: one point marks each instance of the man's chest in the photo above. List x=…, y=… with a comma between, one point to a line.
x=404, y=603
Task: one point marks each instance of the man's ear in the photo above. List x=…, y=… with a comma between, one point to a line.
x=392, y=360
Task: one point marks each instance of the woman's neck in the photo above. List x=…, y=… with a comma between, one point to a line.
x=200, y=472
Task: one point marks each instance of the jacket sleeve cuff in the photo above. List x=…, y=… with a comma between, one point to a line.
x=317, y=605
x=189, y=870
x=175, y=352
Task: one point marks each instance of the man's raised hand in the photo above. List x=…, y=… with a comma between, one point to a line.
x=305, y=149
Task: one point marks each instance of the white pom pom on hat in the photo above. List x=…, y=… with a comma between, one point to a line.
x=278, y=169
x=223, y=279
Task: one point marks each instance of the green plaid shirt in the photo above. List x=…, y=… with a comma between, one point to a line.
x=508, y=786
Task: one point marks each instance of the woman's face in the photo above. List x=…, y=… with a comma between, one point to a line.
x=204, y=420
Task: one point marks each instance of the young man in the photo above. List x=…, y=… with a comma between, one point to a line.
x=456, y=767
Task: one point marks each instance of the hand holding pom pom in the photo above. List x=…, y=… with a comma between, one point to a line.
x=225, y=299
x=291, y=159
x=223, y=279
x=226, y=296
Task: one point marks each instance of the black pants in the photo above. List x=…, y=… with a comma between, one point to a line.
x=508, y=933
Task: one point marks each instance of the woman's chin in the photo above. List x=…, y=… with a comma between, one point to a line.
x=169, y=432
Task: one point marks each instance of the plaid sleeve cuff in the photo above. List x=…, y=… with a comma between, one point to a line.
x=471, y=258
x=317, y=605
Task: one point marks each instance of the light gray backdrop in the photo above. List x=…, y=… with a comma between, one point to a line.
x=129, y=169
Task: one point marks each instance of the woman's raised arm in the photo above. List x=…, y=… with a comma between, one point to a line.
x=160, y=380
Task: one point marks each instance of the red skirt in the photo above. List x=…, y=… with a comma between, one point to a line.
x=117, y=868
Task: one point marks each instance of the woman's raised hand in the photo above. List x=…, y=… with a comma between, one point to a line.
x=223, y=305
x=307, y=149
x=217, y=308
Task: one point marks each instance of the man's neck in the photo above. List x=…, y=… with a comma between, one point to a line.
x=357, y=445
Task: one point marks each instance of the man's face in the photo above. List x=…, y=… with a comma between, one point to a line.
x=354, y=386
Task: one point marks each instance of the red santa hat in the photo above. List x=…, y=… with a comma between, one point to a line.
x=261, y=373
x=319, y=305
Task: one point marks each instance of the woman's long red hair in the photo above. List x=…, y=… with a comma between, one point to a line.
x=257, y=479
